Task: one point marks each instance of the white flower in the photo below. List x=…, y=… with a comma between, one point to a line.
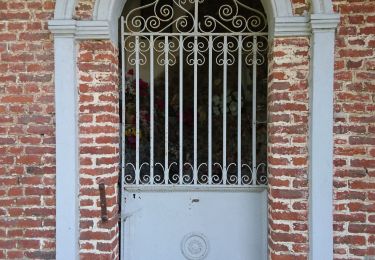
x=216, y=100
x=233, y=108
x=216, y=111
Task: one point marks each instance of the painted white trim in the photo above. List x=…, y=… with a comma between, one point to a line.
x=62, y=27
x=279, y=12
x=322, y=7
x=109, y=10
x=324, y=22
x=64, y=9
x=81, y=29
x=67, y=154
x=321, y=136
x=277, y=8
x=92, y=30
x=292, y=26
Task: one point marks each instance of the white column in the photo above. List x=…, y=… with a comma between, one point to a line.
x=67, y=155
x=321, y=136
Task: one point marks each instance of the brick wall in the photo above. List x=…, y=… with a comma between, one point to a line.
x=354, y=131
x=99, y=146
x=27, y=142
x=84, y=9
x=287, y=148
x=301, y=7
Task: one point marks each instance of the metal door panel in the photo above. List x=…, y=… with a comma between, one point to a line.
x=167, y=225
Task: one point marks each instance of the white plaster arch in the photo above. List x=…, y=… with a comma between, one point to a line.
x=104, y=9
x=64, y=9
x=111, y=9
x=320, y=25
x=322, y=6
x=106, y=13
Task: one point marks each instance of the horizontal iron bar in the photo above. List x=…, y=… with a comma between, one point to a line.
x=196, y=34
x=207, y=188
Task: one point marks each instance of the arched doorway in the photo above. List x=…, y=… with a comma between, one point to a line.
x=320, y=23
x=194, y=127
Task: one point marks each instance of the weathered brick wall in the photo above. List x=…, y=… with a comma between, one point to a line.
x=301, y=7
x=287, y=148
x=84, y=9
x=99, y=147
x=27, y=142
x=354, y=131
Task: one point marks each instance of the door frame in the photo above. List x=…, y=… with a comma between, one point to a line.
x=320, y=25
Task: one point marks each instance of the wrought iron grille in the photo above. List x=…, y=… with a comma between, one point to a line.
x=189, y=94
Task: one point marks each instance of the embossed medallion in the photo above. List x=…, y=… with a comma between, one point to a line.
x=194, y=246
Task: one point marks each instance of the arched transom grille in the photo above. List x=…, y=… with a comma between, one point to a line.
x=191, y=112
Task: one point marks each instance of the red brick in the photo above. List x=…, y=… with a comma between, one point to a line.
x=14, y=15
x=352, y=240
x=17, y=99
x=288, y=237
x=367, y=163
x=88, y=235
x=287, y=194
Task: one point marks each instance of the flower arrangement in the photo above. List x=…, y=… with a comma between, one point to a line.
x=188, y=122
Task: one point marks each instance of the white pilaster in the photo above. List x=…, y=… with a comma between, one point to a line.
x=66, y=32
x=67, y=155
x=321, y=136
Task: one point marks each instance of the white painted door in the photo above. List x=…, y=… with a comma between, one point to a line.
x=212, y=225
x=193, y=160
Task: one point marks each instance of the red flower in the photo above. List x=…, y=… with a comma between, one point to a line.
x=159, y=104
x=130, y=72
x=130, y=88
x=143, y=88
x=188, y=117
x=131, y=141
x=145, y=117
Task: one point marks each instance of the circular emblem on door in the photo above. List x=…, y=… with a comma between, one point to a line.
x=194, y=246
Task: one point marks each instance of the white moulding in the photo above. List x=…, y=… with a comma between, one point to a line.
x=292, y=26
x=95, y=30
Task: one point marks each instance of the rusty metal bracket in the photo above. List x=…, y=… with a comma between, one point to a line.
x=103, y=202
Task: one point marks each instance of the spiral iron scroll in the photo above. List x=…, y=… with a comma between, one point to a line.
x=166, y=49
x=231, y=17
x=187, y=177
x=173, y=27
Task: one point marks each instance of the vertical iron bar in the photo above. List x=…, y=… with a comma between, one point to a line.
x=151, y=109
x=210, y=110
x=123, y=100
x=195, y=172
x=166, y=111
x=239, y=106
x=225, y=110
x=122, y=134
x=196, y=2
x=254, y=115
x=137, y=101
x=181, y=101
